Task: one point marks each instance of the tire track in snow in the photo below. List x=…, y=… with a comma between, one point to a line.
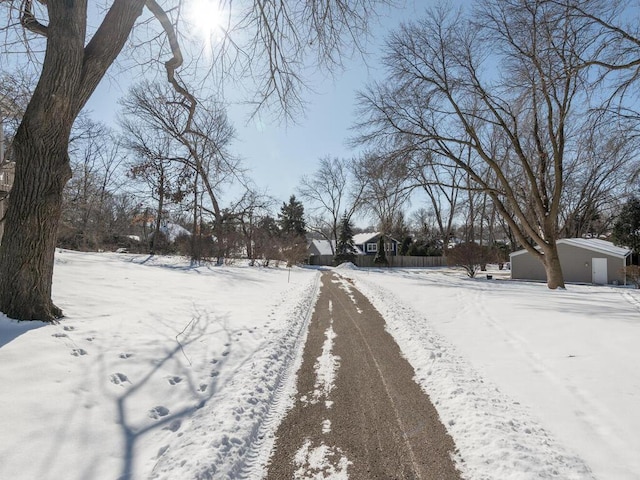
x=496, y=437
x=380, y=419
x=383, y=381
x=251, y=465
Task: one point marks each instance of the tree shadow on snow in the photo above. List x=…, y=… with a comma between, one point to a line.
x=200, y=392
x=12, y=329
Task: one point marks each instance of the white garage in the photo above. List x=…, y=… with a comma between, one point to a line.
x=583, y=260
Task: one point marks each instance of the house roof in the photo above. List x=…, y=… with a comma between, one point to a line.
x=593, y=244
x=173, y=231
x=360, y=238
x=322, y=246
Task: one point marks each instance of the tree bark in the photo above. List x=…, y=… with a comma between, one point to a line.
x=156, y=231
x=28, y=246
x=70, y=74
x=552, y=267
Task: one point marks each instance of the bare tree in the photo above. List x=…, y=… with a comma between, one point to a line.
x=281, y=37
x=427, y=237
x=203, y=149
x=152, y=165
x=252, y=208
x=384, y=186
x=499, y=94
x=442, y=185
x=96, y=159
x=15, y=92
x=330, y=197
x=598, y=178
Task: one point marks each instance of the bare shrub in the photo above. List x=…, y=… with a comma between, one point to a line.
x=469, y=256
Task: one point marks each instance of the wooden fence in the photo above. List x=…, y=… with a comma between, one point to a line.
x=397, y=261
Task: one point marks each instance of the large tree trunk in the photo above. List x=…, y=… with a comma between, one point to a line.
x=70, y=73
x=552, y=267
x=27, y=250
x=40, y=150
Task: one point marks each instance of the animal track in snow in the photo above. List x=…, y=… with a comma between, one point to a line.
x=126, y=355
x=159, y=411
x=173, y=426
x=78, y=352
x=69, y=328
x=118, y=378
x=59, y=335
x=174, y=380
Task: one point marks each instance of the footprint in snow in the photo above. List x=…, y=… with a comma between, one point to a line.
x=68, y=328
x=174, y=380
x=126, y=355
x=173, y=426
x=214, y=373
x=119, y=378
x=59, y=335
x=203, y=387
x=162, y=451
x=78, y=352
x=159, y=411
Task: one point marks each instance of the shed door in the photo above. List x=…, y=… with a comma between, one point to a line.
x=599, y=271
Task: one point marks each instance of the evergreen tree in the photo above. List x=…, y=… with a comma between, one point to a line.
x=406, y=245
x=291, y=218
x=626, y=229
x=345, y=249
x=292, y=232
x=381, y=255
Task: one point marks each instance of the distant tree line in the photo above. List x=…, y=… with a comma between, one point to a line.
x=516, y=120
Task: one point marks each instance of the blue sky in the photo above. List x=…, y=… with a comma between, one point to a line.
x=278, y=155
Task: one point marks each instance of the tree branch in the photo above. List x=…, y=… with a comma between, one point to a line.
x=29, y=21
x=176, y=61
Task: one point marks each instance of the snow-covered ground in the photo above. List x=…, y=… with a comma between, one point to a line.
x=531, y=383
x=159, y=370
x=165, y=371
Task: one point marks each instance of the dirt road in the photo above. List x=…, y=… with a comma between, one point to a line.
x=358, y=413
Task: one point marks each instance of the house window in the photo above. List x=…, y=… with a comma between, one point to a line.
x=372, y=247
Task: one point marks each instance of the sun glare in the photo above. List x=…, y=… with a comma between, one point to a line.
x=208, y=18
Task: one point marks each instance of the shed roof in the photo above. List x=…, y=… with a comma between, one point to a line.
x=593, y=244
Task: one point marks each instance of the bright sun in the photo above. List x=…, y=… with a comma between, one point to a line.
x=208, y=17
